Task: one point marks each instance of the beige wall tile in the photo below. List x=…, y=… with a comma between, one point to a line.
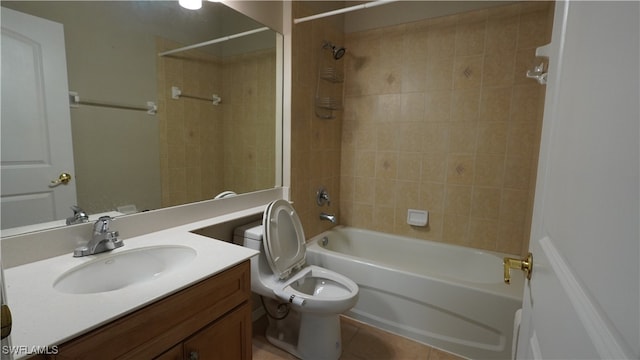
x=448, y=123
x=460, y=169
x=462, y=137
x=492, y=138
x=434, y=167
x=365, y=163
x=457, y=200
x=363, y=191
x=495, y=104
x=485, y=203
x=384, y=193
x=470, y=36
x=517, y=173
x=441, y=37
x=514, y=206
x=437, y=106
x=410, y=136
x=362, y=216
x=455, y=229
x=502, y=34
x=499, y=69
x=522, y=138
x=466, y=105
x=435, y=138
x=439, y=74
x=526, y=102
x=412, y=108
x=387, y=136
x=387, y=165
x=409, y=166
x=483, y=234
x=383, y=218
x=508, y=233
x=407, y=195
x=532, y=32
x=489, y=170
x=467, y=72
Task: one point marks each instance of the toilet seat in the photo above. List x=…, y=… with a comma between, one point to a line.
x=284, y=241
x=319, y=290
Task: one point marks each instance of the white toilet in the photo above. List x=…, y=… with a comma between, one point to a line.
x=316, y=296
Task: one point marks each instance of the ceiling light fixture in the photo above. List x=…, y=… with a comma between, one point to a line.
x=191, y=4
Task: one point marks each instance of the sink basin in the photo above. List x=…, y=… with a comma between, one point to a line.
x=126, y=268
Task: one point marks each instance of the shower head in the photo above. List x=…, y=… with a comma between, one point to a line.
x=337, y=51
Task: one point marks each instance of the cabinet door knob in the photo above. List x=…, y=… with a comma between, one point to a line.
x=193, y=355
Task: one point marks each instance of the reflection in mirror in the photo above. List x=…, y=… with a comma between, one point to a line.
x=218, y=135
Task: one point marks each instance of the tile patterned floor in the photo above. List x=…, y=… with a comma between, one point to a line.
x=360, y=341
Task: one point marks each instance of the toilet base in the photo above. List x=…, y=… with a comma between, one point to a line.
x=320, y=336
x=307, y=336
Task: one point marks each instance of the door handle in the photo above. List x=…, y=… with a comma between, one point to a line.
x=524, y=264
x=6, y=321
x=63, y=179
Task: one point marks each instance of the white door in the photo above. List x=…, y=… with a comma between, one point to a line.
x=583, y=299
x=36, y=124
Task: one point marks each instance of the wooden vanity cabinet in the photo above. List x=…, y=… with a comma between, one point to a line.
x=208, y=320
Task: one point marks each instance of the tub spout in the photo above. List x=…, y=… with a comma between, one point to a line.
x=328, y=217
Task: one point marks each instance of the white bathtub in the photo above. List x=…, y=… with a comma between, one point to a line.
x=446, y=296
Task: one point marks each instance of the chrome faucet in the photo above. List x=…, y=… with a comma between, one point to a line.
x=79, y=216
x=328, y=217
x=102, y=239
x=322, y=197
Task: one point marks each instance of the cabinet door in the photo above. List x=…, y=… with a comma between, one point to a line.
x=175, y=353
x=227, y=338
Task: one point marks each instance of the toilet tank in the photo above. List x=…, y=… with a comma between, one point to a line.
x=249, y=235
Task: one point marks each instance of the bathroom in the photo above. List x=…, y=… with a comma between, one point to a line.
x=477, y=167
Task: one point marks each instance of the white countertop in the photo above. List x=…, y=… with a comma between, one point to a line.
x=43, y=316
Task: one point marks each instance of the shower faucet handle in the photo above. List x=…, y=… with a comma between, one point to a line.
x=322, y=197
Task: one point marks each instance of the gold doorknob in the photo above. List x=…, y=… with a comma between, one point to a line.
x=524, y=264
x=6, y=321
x=63, y=179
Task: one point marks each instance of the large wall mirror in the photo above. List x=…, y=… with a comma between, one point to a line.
x=215, y=129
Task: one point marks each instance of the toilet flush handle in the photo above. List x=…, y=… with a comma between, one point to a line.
x=296, y=300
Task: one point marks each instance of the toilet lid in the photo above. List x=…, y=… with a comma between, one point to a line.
x=284, y=241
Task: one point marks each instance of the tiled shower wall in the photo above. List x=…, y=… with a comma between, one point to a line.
x=439, y=116
x=207, y=149
x=315, y=142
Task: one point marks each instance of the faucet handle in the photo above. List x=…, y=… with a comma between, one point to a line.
x=322, y=197
x=101, y=226
x=79, y=216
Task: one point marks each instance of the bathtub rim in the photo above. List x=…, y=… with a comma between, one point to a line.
x=514, y=291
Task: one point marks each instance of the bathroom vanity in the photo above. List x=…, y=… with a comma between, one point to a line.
x=209, y=320
x=169, y=294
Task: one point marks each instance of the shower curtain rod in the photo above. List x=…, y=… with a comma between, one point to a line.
x=344, y=10
x=214, y=41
